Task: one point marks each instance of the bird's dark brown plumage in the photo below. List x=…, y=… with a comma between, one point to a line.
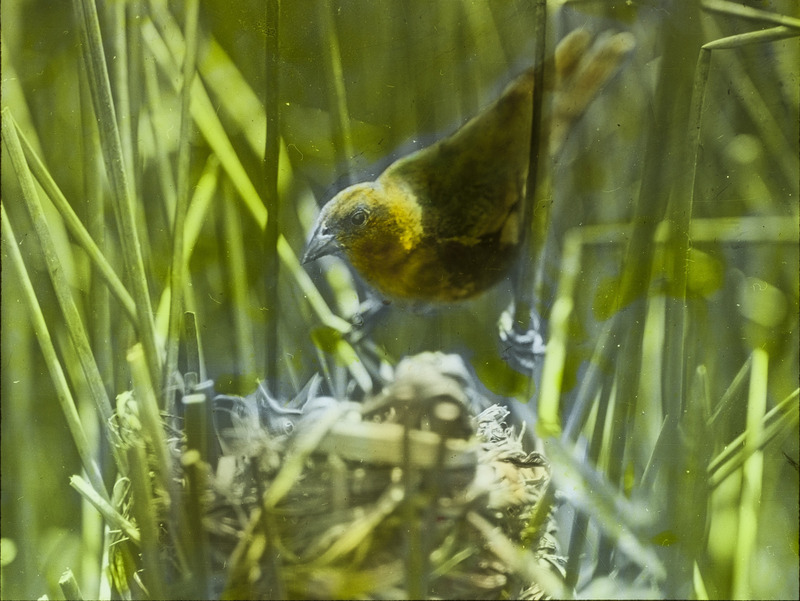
x=443, y=223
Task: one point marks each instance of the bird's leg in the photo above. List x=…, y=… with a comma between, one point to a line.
x=582, y=67
x=523, y=348
x=367, y=316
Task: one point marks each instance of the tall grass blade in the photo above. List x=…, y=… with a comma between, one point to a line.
x=553, y=371
x=777, y=422
x=120, y=81
x=753, y=472
x=194, y=363
x=73, y=222
x=147, y=520
x=730, y=397
x=99, y=84
x=528, y=276
x=236, y=263
x=753, y=37
x=151, y=420
x=66, y=301
x=69, y=586
x=153, y=429
x=725, y=7
x=63, y=393
x=337, y=93
x=111, y=515
x=195, y=466
x=269, y=189
x=178, y=266
x=197, y=215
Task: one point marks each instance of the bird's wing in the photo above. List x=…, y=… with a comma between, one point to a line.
x=470, y=182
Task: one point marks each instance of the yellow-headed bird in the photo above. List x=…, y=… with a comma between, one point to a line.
x=445, y=223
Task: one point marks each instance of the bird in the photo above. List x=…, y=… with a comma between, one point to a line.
x=444, y=223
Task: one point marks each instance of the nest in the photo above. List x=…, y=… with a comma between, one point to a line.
x=420, y=491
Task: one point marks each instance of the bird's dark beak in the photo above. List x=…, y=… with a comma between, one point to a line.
x=322, y=243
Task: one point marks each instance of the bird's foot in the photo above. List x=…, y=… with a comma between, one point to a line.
x=365, y=319
x=523, y=344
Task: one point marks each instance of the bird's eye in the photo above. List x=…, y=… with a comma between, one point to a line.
x=359, y=217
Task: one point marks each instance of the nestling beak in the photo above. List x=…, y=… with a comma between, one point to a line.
x=322, y=243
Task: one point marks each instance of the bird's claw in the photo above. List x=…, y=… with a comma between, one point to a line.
x=524, y=349
x=364, y=319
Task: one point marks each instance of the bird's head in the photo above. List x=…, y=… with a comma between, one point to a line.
x=364, y=222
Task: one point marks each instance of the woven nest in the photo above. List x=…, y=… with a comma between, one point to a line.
x=421, y=491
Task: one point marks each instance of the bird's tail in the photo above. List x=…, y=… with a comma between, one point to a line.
x=581, y=68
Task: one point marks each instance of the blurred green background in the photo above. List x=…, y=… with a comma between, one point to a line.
x=660, y=326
